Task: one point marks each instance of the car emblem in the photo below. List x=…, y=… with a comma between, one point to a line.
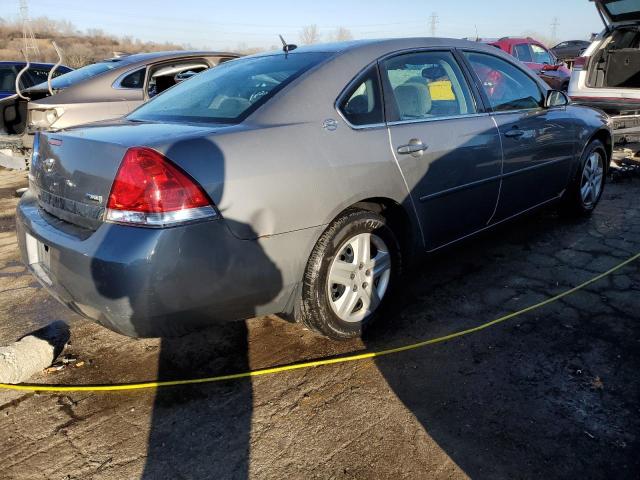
x=49, y=164
x=330, y=124
x=94, y=198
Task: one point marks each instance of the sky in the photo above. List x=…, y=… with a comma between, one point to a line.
x=256, y=23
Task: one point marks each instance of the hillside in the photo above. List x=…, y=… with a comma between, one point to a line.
x=79, y=48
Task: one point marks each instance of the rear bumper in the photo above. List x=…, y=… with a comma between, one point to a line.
x=147, y=282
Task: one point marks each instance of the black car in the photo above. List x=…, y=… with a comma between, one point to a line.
x=36, y=74
x=570, y=49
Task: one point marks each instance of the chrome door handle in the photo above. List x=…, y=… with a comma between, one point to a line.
x=415, y=147
x=515, y=133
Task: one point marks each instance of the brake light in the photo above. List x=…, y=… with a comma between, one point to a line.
x=580, y=62
x=151, y=190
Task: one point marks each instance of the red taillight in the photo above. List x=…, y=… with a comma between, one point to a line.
x=150, y=190
x=580, y=62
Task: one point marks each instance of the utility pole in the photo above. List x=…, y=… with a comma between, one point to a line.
x=28, y=39
x=554, y=28
x=433, y=22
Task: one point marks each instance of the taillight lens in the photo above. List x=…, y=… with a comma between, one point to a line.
x=150, y=190
x=580, y=62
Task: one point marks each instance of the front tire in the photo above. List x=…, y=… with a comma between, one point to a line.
x=350, y=275
x=585, y=190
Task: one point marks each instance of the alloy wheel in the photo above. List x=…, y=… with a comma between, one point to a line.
x=358, y=277
x=591, y=181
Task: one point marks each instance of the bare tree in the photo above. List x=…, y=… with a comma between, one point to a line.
x=341, y=34
x=310, y=34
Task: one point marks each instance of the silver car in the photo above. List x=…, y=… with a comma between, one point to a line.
x=100, y=91
x=300, y=183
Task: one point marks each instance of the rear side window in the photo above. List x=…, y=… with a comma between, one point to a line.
x=134, y=80
x=427, y=85
x=362, y=105
x=506, y=86
x=522, y=52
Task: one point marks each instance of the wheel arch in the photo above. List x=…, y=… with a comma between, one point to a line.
x=402, y=221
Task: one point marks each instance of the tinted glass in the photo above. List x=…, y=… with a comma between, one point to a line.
x=229, y=92
x=540, y=55
x=134, y=80
x=363, y=105
x=7, y=79
x=507, y=87
x=427, y=85
x=84, y=73
x=522, y=52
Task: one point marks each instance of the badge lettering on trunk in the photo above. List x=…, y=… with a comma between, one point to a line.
x=93, y=197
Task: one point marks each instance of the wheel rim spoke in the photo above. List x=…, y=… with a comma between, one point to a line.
x=347, y=302
x=358, y=277
x=362, y=248
x=381, y=263
x=341, y=273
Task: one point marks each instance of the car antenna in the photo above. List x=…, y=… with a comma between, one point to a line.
x=287, y=47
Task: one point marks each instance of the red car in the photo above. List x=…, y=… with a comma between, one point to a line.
x=536, y=56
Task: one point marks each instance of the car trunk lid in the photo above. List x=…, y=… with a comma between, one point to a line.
x=72, y=171
x=72, y=175
x=618, y=12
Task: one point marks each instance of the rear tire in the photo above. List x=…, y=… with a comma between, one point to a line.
x=585, y=189
x=350, y=275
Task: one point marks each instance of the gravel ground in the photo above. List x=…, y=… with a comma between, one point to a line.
x=554, y=393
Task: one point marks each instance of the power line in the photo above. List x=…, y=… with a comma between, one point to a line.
x=554, y=27
x=433, y=21
x=28, y=38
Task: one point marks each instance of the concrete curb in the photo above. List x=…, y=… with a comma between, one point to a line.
x=32, y=353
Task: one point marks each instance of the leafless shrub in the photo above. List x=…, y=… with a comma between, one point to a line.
x=310, y=34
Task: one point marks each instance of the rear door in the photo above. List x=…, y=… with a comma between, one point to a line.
x=538, y=142
x=446, y=146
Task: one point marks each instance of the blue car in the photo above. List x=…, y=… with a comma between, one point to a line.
x=36, y=74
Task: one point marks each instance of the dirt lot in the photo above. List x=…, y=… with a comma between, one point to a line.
x=554, y=393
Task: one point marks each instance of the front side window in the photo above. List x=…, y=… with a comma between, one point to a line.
x=507, y=87
x=362, y=105
x=229, y=92
x=540, y=55
x=522, y=52
x=427, y=85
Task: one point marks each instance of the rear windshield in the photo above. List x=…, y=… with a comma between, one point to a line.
x=230, y=92
x=81, y=74
x=619, y=9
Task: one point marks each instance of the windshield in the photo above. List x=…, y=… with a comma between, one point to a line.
x=230, y=92
x=84, y=73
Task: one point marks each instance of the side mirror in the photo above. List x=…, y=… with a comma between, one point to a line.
x=556, y=98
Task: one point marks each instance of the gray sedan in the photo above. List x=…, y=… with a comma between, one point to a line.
x=300, y=183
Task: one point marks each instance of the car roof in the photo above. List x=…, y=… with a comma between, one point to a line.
x=388, y=43
x=167, y=55
x=515, y=41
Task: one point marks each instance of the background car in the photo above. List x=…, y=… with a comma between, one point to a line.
x=607, y=75
x=100, y=91
x=36, y=74
x=278, y=183
x=536, y=56
x=569, y=49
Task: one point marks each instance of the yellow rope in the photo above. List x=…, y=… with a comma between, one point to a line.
x=314, y=363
